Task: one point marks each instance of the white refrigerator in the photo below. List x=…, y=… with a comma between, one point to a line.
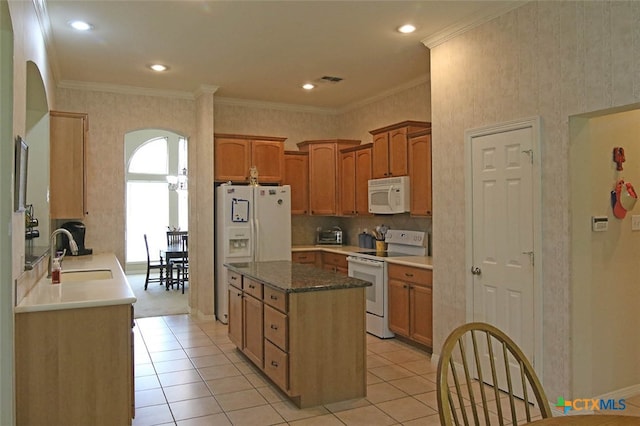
x=253, y=224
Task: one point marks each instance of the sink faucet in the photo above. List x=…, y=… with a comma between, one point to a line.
x=52, y=247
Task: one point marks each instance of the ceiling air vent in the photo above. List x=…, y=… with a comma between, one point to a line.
x=331, y=79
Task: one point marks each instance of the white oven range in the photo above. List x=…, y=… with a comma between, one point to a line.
x=370, y=265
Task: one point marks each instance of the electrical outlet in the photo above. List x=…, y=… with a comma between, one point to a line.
x=635, y=222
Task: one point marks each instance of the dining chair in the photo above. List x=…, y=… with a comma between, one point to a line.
x=182, y=265
x=485, y=378
x=175, y=237
x=155, y=264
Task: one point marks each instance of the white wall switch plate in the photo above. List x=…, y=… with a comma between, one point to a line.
x=635, y=222
x=599, y=223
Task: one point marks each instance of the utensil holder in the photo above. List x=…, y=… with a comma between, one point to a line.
x=381, y=245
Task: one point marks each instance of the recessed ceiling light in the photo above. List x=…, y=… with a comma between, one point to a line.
x=159, y=67
x=406, y=29
x=308, y=86
x=80, y=25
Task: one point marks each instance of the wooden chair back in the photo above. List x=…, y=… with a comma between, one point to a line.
x=175, y=237
x=476, y=356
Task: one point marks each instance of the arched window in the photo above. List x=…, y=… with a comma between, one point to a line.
x=155, y=202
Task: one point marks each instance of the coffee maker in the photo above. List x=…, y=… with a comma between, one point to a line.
x=78, y=231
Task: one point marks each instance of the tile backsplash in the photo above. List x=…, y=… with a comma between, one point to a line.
x=303, y=228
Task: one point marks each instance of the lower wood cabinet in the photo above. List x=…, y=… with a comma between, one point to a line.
x=410, y=303
x=75, y=366
x=307, y=257
x=335, y=262
x=313, y=343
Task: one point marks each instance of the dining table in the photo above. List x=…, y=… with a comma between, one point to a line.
x=589, y=420
x=172, y=251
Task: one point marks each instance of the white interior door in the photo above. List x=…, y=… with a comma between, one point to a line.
x=503, y=231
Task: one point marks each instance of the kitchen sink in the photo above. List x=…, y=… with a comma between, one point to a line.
x=86, y=275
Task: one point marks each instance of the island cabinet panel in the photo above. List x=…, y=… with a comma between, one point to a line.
x=253, y=330
x=74, y=366
x=235, y=310
x=410, y=303
x=313, y=341
x=296, y=175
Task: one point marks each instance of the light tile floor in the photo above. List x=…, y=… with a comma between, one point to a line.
x=188, y=373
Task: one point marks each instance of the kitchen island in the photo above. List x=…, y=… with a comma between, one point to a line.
x=303, y=327
x=74, y=347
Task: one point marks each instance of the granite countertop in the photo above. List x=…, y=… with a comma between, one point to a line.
x=45, y=296
x=293, y=277
x=424, y=262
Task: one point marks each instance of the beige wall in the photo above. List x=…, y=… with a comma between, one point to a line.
x=605, y=294
x=552, y=59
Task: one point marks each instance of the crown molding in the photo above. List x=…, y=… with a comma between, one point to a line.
x=205, y=90
x=385, y=94
x=127, y=90
x=274, y=105
x=455, y=30
x=42, y=15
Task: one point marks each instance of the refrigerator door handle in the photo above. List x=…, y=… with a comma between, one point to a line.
x=256, y=242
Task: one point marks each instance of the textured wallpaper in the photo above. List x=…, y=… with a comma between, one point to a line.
x=552, y=59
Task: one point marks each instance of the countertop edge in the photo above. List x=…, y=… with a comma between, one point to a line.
x=85, y=294
x=422, y=262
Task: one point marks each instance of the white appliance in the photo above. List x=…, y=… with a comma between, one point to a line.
x=370, y=265
x=253, y=224
x=389, y=195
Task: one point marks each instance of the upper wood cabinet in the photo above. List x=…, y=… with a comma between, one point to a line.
x=67, y=169
x=420, y=173
x=324, y=174
x=296, y=174
x=390, y=148
x=356, y=172
x=235, y=154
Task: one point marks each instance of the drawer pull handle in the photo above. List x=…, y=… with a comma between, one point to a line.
x=274, y=327
x=233, y=277
x=251, y=286
x=275, y=364
x=407, y=274
x=274, y=297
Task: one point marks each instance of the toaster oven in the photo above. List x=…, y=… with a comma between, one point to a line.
x=331, y=236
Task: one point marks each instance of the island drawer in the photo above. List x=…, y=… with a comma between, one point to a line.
x=410, y=274
x=253, y=288
x=276, y=364
x=234, y=279
x=275, y=327
x=275, y=298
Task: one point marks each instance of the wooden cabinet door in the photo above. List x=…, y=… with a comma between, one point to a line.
x=67, y=174
x=322, y=179
x=253, y=329
x=420, y=175
x=235, y=316
x=304, y=257
x=398, y=152
x=421, y=301
x=380, y=161
x=348, y=191
x=268, y=158
x=296, y=174
x=232, y=159
x=363, y=174
x=399, y=307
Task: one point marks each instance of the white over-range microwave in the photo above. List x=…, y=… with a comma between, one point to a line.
x=389, y=195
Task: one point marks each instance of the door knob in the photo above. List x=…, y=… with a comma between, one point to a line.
x=475, y=270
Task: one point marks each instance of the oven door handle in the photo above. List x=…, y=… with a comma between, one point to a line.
x=373, y=264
